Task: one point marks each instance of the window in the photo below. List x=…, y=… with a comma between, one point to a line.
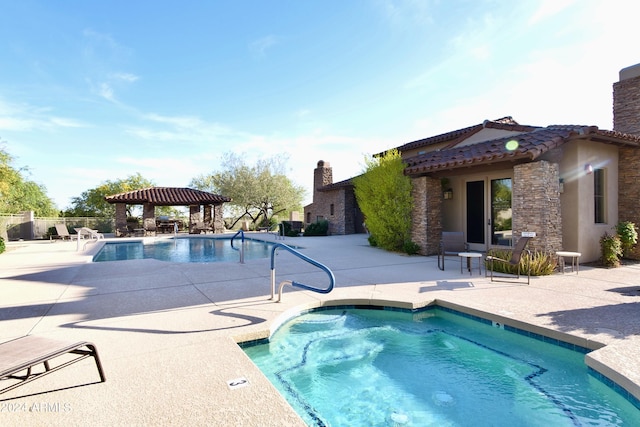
x=599, y=199
x=331, y=210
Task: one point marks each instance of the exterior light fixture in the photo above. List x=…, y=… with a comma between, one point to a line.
x=588, y=169
x=448, y=194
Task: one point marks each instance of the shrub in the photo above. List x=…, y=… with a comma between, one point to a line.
x=611, y=247
x=628, y=236
x=2, y=247
x=411, y=247
x=319, y=228
x=541, y=263
x=372, y=240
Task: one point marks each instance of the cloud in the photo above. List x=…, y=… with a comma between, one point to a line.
x=260, y=46
x=28, y=118
x=125, y=77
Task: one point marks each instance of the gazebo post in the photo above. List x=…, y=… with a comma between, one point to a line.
x=149, y=219
x=121, y=218
x=194, y=218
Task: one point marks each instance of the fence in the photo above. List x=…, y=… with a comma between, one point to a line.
x=26, y=226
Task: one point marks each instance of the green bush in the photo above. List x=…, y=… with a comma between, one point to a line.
x=372, y=240
x=319, y=228
x=628, y=236
x=611, y=250
x=542, y=263
x=411, y=247
x=2, y=247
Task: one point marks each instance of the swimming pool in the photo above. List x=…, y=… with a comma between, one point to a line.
x=184, y=249
x=360, y=367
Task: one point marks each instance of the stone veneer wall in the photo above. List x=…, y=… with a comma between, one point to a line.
x=536, y=204
x=626, y=118
x=426, y=218
x=629, y=190
x=626, y=103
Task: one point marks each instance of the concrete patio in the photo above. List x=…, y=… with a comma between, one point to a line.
x=167, y=332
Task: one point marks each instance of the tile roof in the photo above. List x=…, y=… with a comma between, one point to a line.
x=530, y=146
x=453, y=137
x=168, y=196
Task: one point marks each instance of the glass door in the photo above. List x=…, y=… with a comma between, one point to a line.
x=501, y=213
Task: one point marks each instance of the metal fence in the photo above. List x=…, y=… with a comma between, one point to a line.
x=25, y=226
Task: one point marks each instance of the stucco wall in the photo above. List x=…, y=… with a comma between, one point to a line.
x=581, y=233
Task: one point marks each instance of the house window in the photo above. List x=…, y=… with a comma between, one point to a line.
x=331, y=209
x=308, y=217
x=599, y=199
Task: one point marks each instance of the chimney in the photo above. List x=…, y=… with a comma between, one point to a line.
x=323, y=175
x=626, y=101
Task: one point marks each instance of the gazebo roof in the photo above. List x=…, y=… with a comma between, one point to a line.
x=168, y=196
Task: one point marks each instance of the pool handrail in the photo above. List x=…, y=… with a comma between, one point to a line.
x=241, y=233
x=332, y=279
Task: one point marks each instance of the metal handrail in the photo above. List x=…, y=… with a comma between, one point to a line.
x=332, y=279
x=241, y=233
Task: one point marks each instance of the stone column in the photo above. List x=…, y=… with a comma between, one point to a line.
x=218, y=220
x=121, y=218
x=149, y=219
x=426, y=218
x=535, y=202
x=194, y=218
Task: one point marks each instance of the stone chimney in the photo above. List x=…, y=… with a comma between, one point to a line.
x=626, y=101
x=322, y=175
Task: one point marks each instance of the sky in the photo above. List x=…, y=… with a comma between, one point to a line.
x=95, y=91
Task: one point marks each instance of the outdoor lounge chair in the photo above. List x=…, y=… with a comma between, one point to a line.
x=451, y=244
x=18, y=358
x=516, y=256
x=63, y=232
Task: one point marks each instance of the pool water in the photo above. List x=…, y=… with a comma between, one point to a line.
x=356, y=367
x=186, y=249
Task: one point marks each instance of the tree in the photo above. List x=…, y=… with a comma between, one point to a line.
x=259, y=192
x=383, y=193
x=19, y=194
x=92, y=202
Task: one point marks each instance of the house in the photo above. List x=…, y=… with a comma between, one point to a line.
x=568, y=184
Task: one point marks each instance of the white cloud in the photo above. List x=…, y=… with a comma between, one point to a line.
x=125, y=77
x=27, y=118
x=260, y=46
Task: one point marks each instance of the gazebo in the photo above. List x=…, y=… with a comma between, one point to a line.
x=149, y=198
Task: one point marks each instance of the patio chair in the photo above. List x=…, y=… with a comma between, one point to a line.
x=516, y=256
x=18, y=358
x=451, y=244
x=63, y=232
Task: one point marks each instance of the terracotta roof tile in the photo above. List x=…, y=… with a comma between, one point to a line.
x=531, y=145
x=168, y=196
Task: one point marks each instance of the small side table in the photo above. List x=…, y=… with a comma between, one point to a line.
x=469, y=256
x=575, y=260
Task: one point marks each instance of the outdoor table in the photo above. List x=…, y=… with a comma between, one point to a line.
x=469, y=256
x=575, y=260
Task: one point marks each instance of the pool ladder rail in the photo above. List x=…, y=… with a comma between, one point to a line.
x=332, y=279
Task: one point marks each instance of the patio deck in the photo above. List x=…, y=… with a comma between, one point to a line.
x=167, y=332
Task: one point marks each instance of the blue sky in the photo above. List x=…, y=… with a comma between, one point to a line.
x=100, y=90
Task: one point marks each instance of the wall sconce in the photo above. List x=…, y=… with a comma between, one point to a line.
x=588, y=169
x=561, y=185
x=448, y=194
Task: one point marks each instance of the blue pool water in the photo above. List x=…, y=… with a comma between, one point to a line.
x=355, y=367
x=186, y=249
